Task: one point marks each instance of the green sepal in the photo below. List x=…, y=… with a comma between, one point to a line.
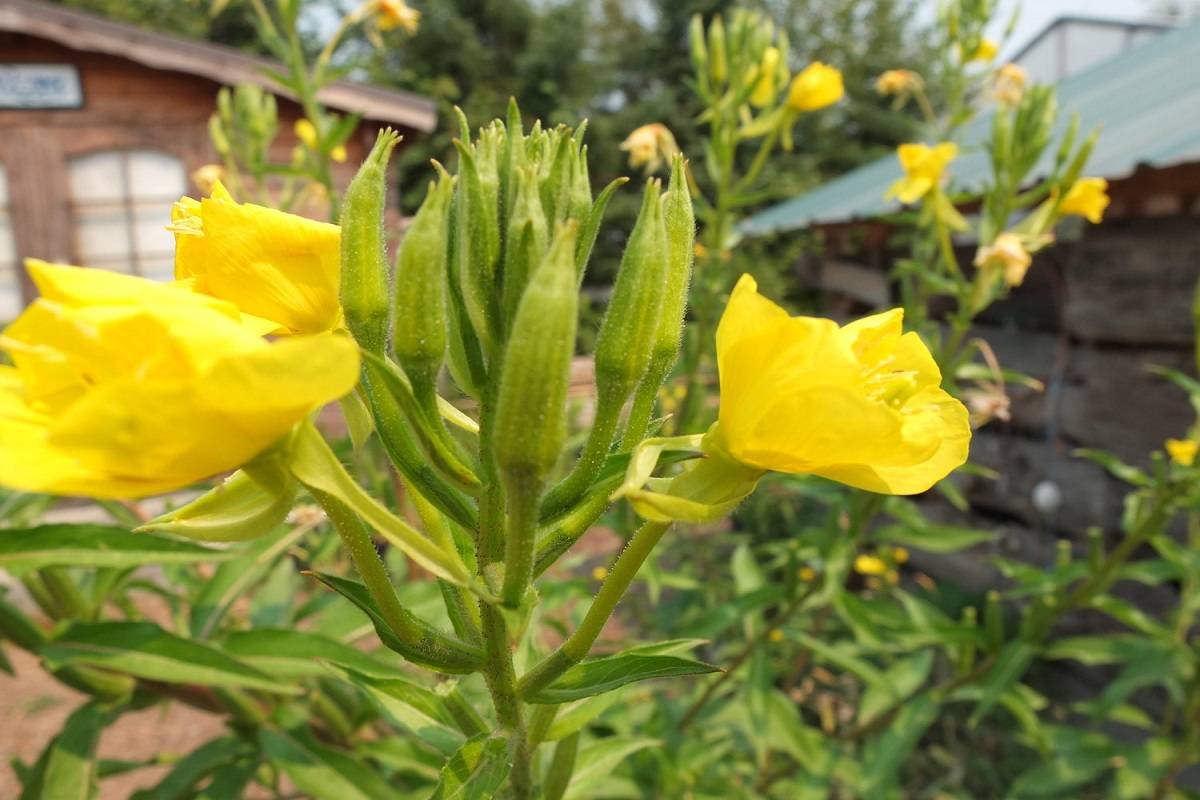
x=239, y=509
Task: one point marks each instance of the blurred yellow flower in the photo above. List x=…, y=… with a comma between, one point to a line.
x=650, y=146
x=900, y=555
x=897, y=82
x=807, y=574
x=207, y=177
x=869, y=565
x=775, y=635
x=860, y=404
x=1182, y=451
x=599, y=573
x=306, y=132
x=818, y=85
x=766, y=80
x=985, y=52
x=1008, y=255
x=392, y=14
x=1008, y=85
x=923, y=167
x=1088, y=197
x=338, y=153
x=123, y=387
x=276, y=266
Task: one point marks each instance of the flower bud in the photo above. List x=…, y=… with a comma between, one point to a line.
x=628, y=332
x=698, y=49
x=680, y=222
x=478, y=246
x=526, y=242
x=419, y=339
x=531, y=404
x=364, y=279
x=718, y=65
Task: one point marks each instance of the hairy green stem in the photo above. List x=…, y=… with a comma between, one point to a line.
x=595, y=450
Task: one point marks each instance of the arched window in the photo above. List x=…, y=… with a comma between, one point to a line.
x=10, y=276
x=120, y=207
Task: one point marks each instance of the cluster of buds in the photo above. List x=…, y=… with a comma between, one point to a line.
x=243, y=127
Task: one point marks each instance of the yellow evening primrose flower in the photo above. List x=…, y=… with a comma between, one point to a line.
x=869, y=565
x=273, y=265
x=306, y=132
x=1182, y=451
x=897, y=82
x=923, y=167
x=1008, y=255
x=818, y=85
x=122, y=387
x=1008, y=85
x=392, y=14
x=1087, y=197
x=650, y=146
x=985, y=52
x=860, y=404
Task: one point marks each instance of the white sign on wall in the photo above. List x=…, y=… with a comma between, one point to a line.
x=40, y=86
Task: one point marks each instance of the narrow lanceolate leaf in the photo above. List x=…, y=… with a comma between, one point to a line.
x=596, y=762
x=321, y=772
x=147, y=651
x=180, y=782
x=67, y=768
x=96, y=546
x=293, y=654
x=605, y=674
x=419, y=710
x=476, y=771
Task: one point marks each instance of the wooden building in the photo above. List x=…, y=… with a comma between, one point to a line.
x=101, y=125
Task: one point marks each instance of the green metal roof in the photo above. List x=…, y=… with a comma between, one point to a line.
x=1145, y=101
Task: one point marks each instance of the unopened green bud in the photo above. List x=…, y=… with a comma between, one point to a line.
x=556, y=188
x=581, y=188
x=419, y=337
x=364, y=288
x=629, y=330
x=512, y=159
x=699, y=51
x=531, y=414
x=531, y=405
x=680, y=222
x=718, y=65
x=527, y=240
x=478, y=246
x=216, y=132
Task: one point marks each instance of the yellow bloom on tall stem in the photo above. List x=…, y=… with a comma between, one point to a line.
x=392, y=14
x=1008, y=85
x=897, y=82
x=650, y=146
x=1087, y=197
x=818, y=85
x=1008, y=255
x=1182, y=451
x=985, y=52
x=122, y=387
x=860, y=404
x=280, y=267
x=923, y=167
x=766, y=78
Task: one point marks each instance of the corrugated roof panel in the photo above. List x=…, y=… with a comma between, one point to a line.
x=1145, y=102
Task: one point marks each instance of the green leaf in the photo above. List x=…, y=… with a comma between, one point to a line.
x=414, y=708
x=905, y=676
x=475, y=772
x=322, y=772
x=180, y=782
x=575, y=716
x=96, y=546
x=147, y=651
x=932, y=538
x=597, y=761
x=887, y=754
x=66, y=770
x=296, y=654
x=1116, y=467
x=1097, y=650
x=605, y=674
x=1010, y=665
x=840, y=655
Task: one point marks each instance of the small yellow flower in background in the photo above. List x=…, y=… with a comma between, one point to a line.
x=338, y=154
x=860, y=404
x=599, y=573
x=900, y=555
x=985, y=52
x=767, y=78
x=897, y=82
x=1008, y=255
x=1182, y=451
x=775, y=635
x=818, y=85
x=123, y=387
x=924, y=167
x=275, y=266
x=306, y=132
x=1008, y=85
x=869, y=565
x=391, y=14
x=807, y=574
x=207, y=177
x=650, y=146
x=1087, y=197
